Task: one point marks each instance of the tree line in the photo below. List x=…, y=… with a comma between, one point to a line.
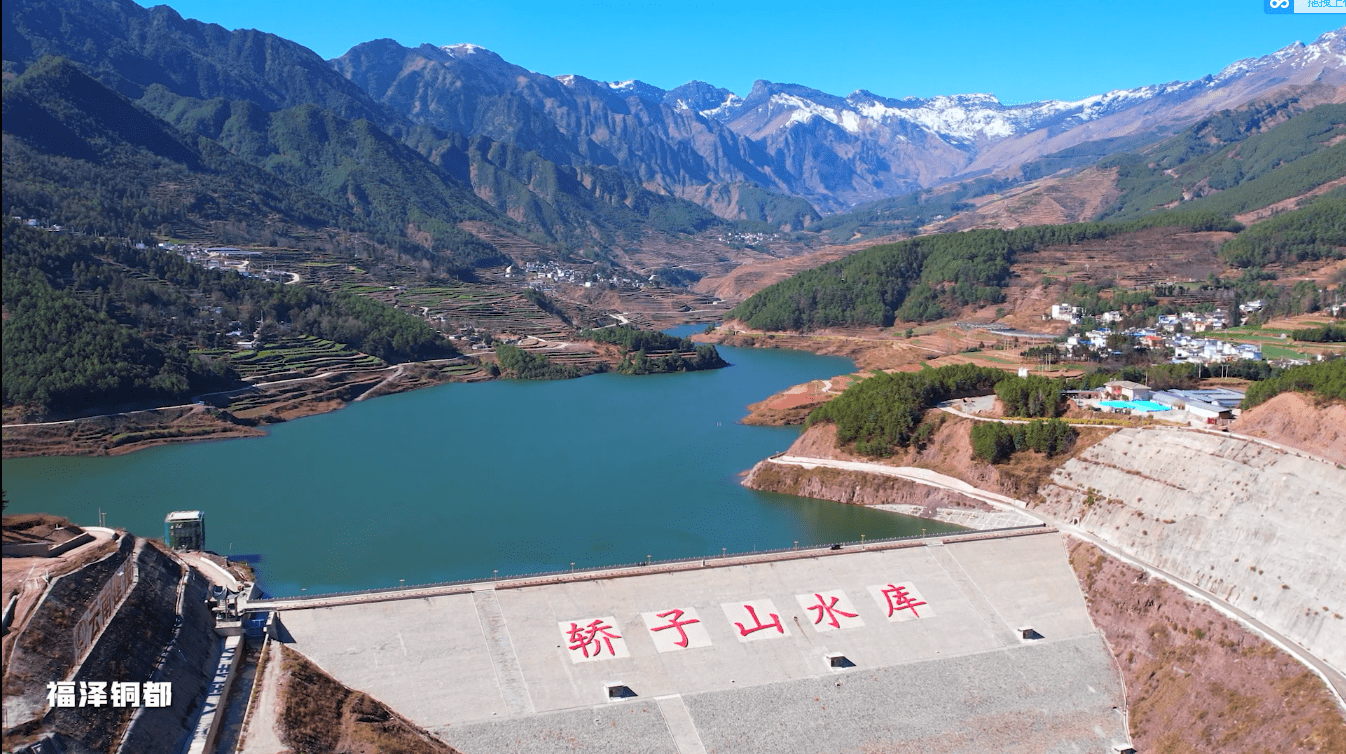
x=637, y=343
x=996, y=442
x=526, y=365
x=1329, y=333
x=1316, y=231
x=921, y=279
x=1326, y=380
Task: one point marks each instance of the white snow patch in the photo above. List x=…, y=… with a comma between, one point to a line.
x=730, y=103
x=462, y=49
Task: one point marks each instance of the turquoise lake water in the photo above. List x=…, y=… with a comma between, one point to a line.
x=457, y=481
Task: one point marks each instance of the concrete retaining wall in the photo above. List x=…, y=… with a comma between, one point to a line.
x=45, y=549
x=1257, y=526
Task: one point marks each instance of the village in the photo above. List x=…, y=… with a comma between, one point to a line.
x=543, y=276
x=1181, y=334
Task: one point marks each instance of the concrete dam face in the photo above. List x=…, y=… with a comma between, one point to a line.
x=1258, y=526
x=966, y=644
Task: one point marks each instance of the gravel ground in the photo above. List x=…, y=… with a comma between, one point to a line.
x=1050, y=697
x=629, y=727
x=1037, y=699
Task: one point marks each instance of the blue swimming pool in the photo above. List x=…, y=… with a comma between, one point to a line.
x=1135, y=405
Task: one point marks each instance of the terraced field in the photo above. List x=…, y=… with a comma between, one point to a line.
x=658, y=308
x=491, y=308
x=297, y=356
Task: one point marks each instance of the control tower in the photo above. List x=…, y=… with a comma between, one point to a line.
x=185, y=530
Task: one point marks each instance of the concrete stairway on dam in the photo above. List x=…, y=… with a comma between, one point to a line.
x=508, y=672
x=983, y=607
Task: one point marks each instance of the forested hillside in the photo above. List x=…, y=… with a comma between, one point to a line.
x=277, y=106
x=93, y=323
x=353, y=163
x=926, y=278
x=883, y=411
x=1325, y=381
x=1314, y=231
x=637, y=346
x=1234, y=161
x=82, y=156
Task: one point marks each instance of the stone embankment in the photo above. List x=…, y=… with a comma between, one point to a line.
x=1257, y=526
x=854, y=487
x=159, y=630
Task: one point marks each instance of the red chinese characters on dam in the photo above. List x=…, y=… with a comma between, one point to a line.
x=676, y=629
x=754, y=620
x=593, y=639
x=901, y=601
x=830, y=610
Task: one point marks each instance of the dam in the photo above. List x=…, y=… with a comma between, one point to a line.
x=957, y=643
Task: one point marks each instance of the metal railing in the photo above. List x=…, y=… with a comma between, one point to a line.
x=515, y=581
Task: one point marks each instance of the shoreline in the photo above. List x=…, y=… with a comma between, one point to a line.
x=124, y=432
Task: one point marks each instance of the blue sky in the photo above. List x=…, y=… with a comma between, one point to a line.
x=1021, y=51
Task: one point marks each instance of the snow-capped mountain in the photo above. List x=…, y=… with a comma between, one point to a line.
x=972, y=118
x=835, y=152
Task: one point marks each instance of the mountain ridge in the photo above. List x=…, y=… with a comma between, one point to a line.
x=835, y=152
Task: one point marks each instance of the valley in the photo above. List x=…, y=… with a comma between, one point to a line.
x=1041, y=396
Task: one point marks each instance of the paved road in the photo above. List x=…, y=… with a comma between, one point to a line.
x=397, y=372
x=1335, y=680
x=97, y=416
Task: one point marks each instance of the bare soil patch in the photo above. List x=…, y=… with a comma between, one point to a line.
x=1054, y=199
x=790, y=406
x=121, y=433
x=950, y=452
x=1293, y=419
x=1197, y=681
x=319, y=713
x=752, y=275
x=241, y=414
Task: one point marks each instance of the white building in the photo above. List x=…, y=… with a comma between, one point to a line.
x=1066, y=313
x=1127, y=390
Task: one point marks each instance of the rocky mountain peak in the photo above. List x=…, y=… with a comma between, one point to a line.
x=637, y=88
x=704, y=98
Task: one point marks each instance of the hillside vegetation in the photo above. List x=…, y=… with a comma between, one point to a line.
x=1314, y=231
x=637, y=345
x=884, y=411
x=1234, y=161
x=1326, y=381
x=82, y=156
x=925, y=278
x=96, y=323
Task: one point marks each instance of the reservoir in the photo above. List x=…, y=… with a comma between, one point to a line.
x=462, y=480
